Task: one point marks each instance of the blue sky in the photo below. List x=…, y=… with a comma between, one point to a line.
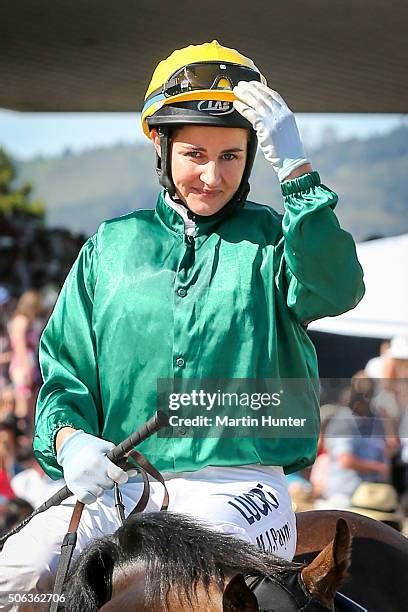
x=26, y=135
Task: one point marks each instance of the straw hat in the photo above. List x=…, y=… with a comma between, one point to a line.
x=302, y=500
x=376, y=500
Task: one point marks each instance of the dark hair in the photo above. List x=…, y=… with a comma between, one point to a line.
x=8, y=423
x=16, y=510
x=177, y=129
x=362, y=389
x=174, y=550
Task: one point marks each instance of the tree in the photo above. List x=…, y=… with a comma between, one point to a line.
x=16, y=199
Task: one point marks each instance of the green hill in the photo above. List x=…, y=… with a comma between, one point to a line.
x=370, y=176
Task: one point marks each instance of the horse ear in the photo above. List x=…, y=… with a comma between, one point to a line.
x=323, y=576
x=90, y=582
x=238, y=596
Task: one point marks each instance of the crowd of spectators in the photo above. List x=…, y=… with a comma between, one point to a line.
x=362, y=462
x=32, y=256
x=34, y=262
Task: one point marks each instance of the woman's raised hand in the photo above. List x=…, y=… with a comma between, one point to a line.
x=275, y=126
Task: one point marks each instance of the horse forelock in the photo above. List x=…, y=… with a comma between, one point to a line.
x=173, y=550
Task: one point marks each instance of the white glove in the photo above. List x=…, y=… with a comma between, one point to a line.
x=275, y=126
x=87, y=470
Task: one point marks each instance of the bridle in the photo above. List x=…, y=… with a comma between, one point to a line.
x=284, y=593
x=288, y=593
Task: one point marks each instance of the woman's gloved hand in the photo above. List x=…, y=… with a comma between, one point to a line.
x=275, y=126
x=87, y=470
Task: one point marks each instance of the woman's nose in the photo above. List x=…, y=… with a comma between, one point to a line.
x=210, y=174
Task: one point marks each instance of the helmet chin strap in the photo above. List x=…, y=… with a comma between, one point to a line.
x=163, y=169
x=163, y=161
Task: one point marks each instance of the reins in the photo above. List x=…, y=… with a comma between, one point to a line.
x=67, y=548
x=145, y=468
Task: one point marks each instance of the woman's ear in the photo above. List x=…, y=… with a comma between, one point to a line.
x=154, y=135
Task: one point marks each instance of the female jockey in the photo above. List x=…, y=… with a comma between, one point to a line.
x=205, y=286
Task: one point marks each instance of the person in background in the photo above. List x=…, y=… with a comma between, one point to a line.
x=24, y=329
x=374, y=367
x=12, y=512
x=394, y=367
x=7, y=463
x=356, y=444
x=8, y=441
x=391, y=404
x=396, y=372
x=5, y=353
x=320, y=469
x=32, y=483
x=7, y=402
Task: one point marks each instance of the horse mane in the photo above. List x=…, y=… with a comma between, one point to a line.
x=172, y=549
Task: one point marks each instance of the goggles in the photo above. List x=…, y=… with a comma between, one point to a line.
x=207, y=75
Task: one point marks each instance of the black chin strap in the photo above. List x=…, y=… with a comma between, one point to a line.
x=163, y=162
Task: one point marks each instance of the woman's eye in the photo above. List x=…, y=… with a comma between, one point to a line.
x=229, y=156
x=193, y=154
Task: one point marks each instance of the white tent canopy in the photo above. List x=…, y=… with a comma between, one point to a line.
x=383, y=311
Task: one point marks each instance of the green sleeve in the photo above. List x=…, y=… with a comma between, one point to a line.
x=323, y=275
x=70, y=393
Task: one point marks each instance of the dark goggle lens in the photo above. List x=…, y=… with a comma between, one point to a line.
x=208, y=76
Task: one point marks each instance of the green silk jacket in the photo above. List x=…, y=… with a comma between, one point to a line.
x=143, y=301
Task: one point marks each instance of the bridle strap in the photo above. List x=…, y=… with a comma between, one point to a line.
x=67, y=548
x=142, y=503
x=284, y=592
x=146, y=467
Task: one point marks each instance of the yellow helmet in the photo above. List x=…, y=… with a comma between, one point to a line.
x=197, y=73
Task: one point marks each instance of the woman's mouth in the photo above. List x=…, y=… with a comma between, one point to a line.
x=207, y=193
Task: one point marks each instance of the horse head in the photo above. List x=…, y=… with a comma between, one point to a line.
x=167, y=562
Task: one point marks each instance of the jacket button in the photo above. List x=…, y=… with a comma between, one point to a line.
x=180, y=362
x=182, y=292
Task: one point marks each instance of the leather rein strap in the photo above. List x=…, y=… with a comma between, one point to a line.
x=67, y=548
x=145, y=468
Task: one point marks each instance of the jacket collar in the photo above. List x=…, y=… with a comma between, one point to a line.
x=172, y=217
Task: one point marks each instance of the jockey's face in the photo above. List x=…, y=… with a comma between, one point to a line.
x=207, y=164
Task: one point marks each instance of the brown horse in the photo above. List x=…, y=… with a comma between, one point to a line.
x=164, y=561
